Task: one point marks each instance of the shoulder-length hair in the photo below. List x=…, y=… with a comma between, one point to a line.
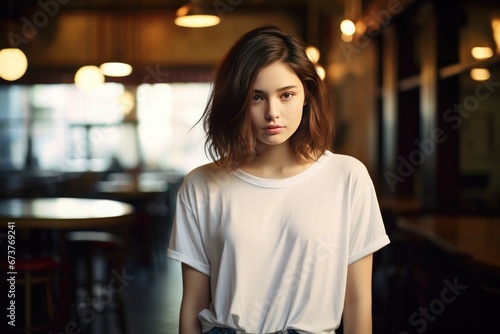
x=231, y=137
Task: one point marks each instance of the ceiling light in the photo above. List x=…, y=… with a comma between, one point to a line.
x=88, y=78
x=13, y=64
x=194, y=15
x=347, y=27
x=116, y=69
x=481, y=52
x=480, y=74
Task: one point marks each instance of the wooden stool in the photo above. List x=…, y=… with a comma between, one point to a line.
x=90, y=246
x=32, y=272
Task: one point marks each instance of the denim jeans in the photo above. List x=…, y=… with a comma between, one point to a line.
x=218, y=330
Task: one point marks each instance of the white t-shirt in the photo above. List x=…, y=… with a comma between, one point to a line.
x=277, y=250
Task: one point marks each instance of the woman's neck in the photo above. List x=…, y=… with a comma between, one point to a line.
x=276, y=162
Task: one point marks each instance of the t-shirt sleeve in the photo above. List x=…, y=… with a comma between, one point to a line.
x=367, y=232
x=186, y=242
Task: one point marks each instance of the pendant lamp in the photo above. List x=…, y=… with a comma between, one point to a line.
x=196, y=15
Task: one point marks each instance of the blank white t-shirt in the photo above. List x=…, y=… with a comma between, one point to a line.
x=277, y=250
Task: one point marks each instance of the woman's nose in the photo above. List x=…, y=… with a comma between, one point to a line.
x=272, y=111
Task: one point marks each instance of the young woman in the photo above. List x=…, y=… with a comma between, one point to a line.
x=276, y=235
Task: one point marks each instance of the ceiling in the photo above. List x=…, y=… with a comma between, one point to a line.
x=50, y=49
x=18, y=9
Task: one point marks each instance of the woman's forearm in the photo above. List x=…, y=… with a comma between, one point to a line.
x=357, y=318
x=188, y=321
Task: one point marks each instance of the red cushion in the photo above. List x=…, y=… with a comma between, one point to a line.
x=34, y=264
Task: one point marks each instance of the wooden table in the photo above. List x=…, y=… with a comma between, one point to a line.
x=477, y=238
x=65, y=214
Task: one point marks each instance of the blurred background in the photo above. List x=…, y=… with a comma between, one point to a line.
x=415, y=86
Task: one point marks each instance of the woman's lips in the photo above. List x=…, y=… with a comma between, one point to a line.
x=273, y=129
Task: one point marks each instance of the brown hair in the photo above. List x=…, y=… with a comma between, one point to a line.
x=231, y=139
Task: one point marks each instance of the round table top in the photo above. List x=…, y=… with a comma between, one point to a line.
x=64, y=213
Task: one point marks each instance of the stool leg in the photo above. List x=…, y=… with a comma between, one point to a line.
x=121, y=314
x=50, y=303
x=90, y=275
x=119, y=262
x=89, y=264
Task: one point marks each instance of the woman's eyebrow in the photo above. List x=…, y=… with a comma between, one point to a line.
x=259, y=91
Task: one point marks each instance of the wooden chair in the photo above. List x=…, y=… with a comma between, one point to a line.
x=31, y=273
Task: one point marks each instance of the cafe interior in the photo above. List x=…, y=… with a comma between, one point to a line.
x=99, y=108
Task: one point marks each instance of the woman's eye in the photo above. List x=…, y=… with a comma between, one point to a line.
x=287, y=95
x=257, y=97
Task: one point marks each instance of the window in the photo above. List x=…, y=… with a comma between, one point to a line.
x=58, y=127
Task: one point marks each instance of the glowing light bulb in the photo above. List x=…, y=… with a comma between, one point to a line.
x=13, y=64
x=88, y=78
x=347, y=27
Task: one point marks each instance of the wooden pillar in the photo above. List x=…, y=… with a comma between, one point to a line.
x=389, y=114
x=438, y=42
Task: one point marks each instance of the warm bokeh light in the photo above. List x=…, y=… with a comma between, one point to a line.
x=321, y=72
x=347, y=27
x=193, y=16
x=13, y=64
x=481, y=52
x=347, y=38
x=88, y=78
x=197, y=21
x=313, y=54
x=116, y=69
x=480, y=74
x=495, y=25
x=126, y=102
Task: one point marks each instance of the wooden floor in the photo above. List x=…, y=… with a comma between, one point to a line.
x=152, y=300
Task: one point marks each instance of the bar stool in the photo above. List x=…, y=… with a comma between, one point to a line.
x=32, y=272
x=96, y=248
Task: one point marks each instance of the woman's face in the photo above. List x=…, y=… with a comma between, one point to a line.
x=277, y=101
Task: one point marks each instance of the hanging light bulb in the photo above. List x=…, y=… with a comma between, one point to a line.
x=115, y=66
x=347, y=27
x=13, y=64
x=482, y=52
x=193, y=15
x=480, y=74
x=88, y=78
x=116, y=69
